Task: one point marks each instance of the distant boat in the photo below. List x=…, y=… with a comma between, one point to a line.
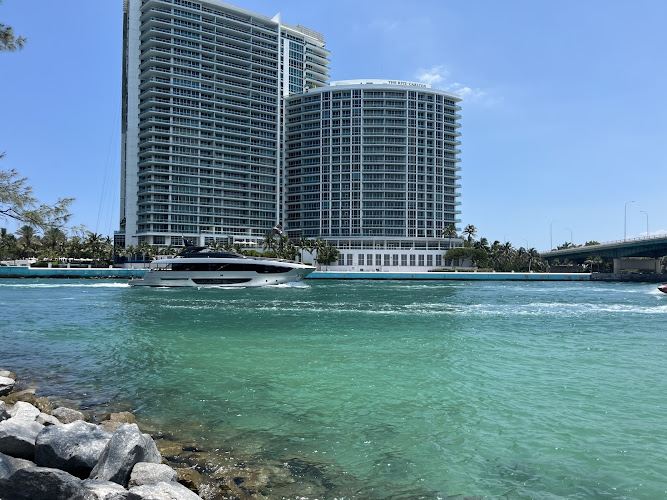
x=663, y=288
x=200, y=267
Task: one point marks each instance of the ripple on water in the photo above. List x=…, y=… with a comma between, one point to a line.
x=375, y=389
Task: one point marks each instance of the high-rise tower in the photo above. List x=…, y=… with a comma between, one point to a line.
x=371, y=166
x=203, y=87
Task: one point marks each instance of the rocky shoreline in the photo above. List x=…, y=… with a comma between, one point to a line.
x=51, y=451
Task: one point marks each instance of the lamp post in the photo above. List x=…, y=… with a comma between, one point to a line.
x=551, y=235
x=571, y=238
x=646, y=221
x=625, y=220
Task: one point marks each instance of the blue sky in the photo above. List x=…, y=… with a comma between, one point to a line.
x=563, y=113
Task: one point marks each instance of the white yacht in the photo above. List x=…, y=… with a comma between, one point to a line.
x=201, y=267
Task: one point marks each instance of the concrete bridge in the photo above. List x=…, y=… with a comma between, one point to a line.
x=622, y=252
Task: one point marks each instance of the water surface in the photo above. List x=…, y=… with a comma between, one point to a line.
x=397, y=389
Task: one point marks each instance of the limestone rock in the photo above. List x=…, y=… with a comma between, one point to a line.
x=9, y=465
x=6, y=385
x=109, y=425
x=190, y=478
x=24, y=411
x=104, y=490
x=161, y=491
x=148, y=473
x=126, y=448
x=46, y=419
x=8, y=374
x=124, y=417
x=41, y=483
x=27, y=395
x=67, y=415
x=74, y=448
x=44, y=405
x=17, y=437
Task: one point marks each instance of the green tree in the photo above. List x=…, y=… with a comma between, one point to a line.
x=477, y=256
x=8, y=40
x=53, y=244
x=8, y=245
x=471, y=231
x=327, y=254
x=28, y=240
x=304, y=244
x=449, y=231
x=269, y=241
x=17, y=202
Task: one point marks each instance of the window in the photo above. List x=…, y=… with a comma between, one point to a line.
x=360, y=259
x=404, y=260
x=421, y=261
x=413, y=260
x=349, y=259
x=395, y=260
x=429, y=260
x=378, y=259
x=387, y=258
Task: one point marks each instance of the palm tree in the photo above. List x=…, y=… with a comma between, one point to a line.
x=8, y=245
x=449, y=231
x=28, y=240
x=471, y=231
x=93, y=245
x=533, y=257
x=327, y=254
x=303, y=245
x=53, y=242
x=269, y=241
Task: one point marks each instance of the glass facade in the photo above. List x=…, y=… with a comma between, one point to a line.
x=371, y=160
x=202, y=117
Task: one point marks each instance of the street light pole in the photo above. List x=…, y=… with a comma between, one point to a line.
x=646, y=221
x=625, y=220
x=571, y=238
x=551, y=235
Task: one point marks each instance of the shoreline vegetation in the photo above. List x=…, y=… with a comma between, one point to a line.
x=51, y=450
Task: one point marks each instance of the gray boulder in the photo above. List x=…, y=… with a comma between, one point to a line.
x=6, y=385
x=24, y=411
x=104, y=490
x=17, y=437
x=9, y=465
x=67, y=415
x=127, y=447
x=46, y=419
x=148, y=473
x=74, y=448
x=161, y=491
x=4, y=414
x=41, y=483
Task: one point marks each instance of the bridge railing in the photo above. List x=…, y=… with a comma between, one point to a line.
x=609, y=243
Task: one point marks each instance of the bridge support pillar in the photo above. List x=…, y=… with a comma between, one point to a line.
x=645, y=264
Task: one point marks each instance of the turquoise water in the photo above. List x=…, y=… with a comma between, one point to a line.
x=394, y=389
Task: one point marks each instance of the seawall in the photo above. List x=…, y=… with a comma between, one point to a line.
x=70, y=273
x=455, y=276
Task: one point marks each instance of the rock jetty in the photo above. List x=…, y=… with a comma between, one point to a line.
x=54, y=454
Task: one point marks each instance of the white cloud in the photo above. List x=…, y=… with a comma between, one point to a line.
x=438, y=77
x=384, y=24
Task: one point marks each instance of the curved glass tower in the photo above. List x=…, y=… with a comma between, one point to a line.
x=373, y=164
